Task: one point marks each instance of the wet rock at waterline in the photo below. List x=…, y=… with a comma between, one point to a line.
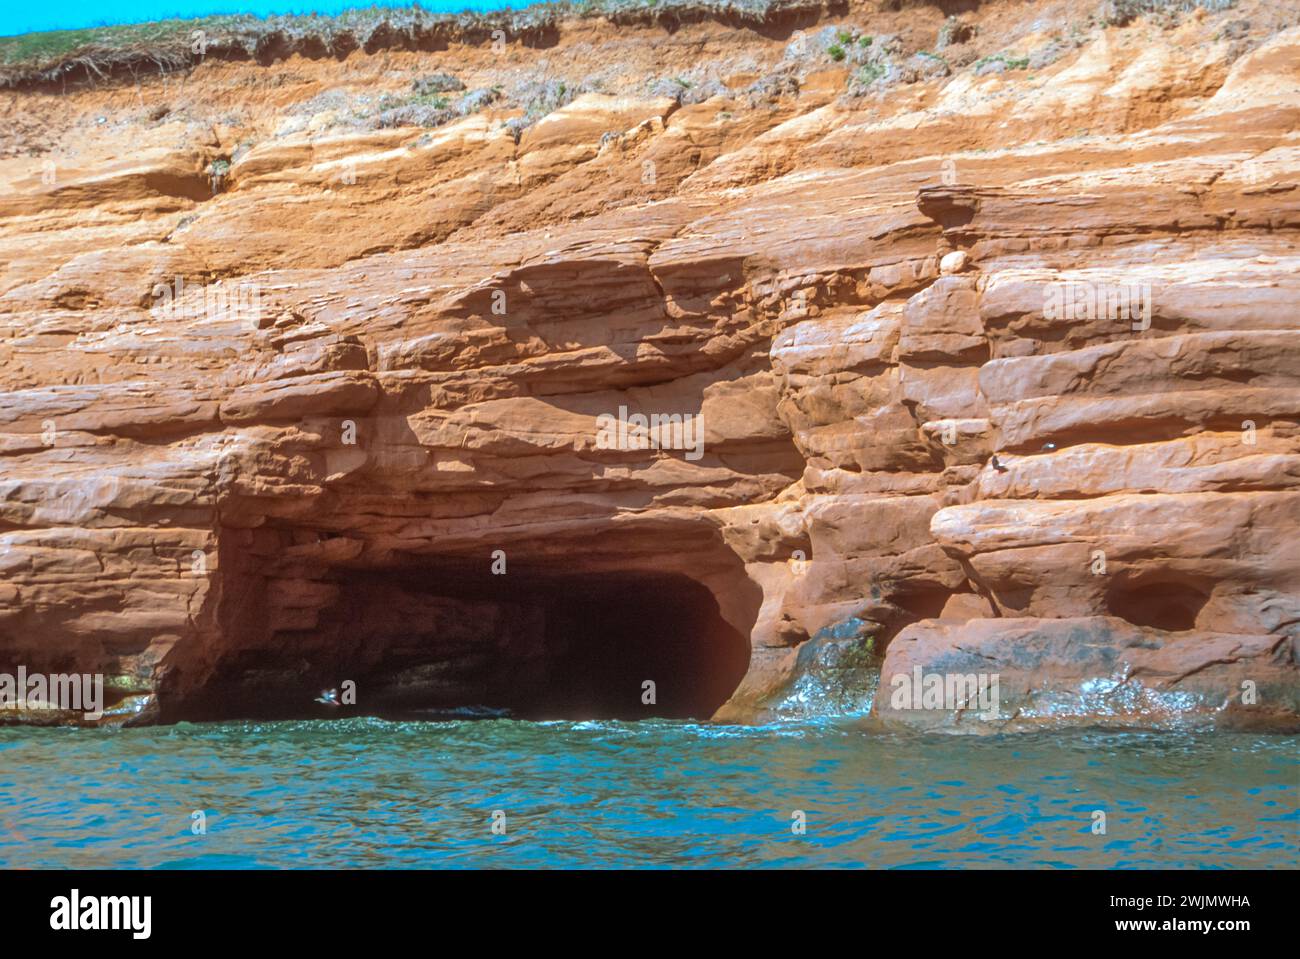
x=1005, y=675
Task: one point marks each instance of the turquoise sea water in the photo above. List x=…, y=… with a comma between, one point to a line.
x=374, y=793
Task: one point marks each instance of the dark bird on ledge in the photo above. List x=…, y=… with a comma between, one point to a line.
x=996, y=465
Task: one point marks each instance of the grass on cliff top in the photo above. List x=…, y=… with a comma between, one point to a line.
x=51, y=45
x=33, y=57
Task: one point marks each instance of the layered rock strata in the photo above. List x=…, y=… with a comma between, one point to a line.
x=997, y=373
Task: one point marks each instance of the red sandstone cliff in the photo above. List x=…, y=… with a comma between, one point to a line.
x=994, y=337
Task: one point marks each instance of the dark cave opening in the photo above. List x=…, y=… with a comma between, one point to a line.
x=1168, y=606
x=442, y=638
x=619, y=635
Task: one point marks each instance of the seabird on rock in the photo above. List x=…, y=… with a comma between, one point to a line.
x=996, y=465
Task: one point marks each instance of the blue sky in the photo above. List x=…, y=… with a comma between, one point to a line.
x=18, y=17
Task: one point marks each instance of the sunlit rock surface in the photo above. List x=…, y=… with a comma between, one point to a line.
x=335, y=415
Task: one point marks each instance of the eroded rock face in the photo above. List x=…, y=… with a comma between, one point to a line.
x=995, y=374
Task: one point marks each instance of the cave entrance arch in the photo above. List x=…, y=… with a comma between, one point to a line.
x=538, y=643
x=546, y=645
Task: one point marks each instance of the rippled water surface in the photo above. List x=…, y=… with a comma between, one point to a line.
x=366, y=792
